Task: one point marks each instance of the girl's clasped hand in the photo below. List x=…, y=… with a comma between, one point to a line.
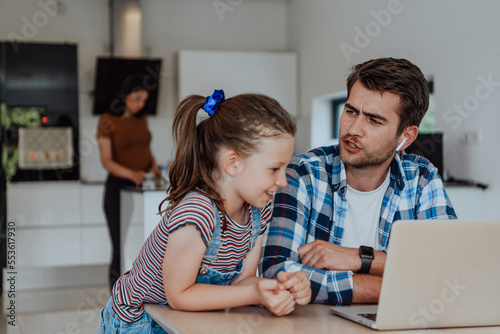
x=281, y=295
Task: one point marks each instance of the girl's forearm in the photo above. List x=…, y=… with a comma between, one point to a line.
x=248, y=280
x=203, y=297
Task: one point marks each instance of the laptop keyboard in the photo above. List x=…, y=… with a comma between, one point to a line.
x=370, y=316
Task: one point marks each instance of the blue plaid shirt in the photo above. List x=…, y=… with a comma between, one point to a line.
x=313, y=206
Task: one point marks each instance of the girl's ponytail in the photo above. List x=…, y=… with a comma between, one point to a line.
x=184, y=171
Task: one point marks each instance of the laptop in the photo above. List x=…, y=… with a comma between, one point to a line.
x=438, y=273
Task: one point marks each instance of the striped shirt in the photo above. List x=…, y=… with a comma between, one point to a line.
x=144, y=282
x=314, y=207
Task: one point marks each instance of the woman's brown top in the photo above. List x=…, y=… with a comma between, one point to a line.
x=130, y=140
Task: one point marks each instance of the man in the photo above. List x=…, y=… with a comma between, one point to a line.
x=333, y=221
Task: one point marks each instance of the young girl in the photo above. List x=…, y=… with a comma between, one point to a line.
x=204, y=253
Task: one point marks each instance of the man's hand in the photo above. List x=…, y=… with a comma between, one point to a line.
x=324, y=255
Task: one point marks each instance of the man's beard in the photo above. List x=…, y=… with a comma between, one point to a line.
x=365, y=159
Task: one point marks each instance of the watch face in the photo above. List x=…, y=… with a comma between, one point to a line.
x=365, y=251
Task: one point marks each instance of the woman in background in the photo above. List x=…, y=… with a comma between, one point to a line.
x=124, y=144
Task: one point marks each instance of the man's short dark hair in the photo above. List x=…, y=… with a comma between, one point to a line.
x=398, y=76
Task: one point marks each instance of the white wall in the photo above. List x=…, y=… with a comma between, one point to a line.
x=455, y=41
x=170, y=26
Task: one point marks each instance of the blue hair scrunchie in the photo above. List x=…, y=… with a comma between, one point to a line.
x=213, y=101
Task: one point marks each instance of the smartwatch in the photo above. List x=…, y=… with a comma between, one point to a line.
x=367, y=255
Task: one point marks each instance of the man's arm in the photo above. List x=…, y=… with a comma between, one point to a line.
x=321, y=254
x=423, y=196
x=366, y=289
x=298, y=216
x=434, y=202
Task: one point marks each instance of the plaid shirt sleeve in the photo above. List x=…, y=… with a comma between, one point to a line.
x=434, y=202
x=301, y=214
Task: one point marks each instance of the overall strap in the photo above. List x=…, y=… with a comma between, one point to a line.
x=255, y=214
x=215, y=242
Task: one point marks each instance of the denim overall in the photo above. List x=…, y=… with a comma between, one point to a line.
x=207, y=274
x=111, y=323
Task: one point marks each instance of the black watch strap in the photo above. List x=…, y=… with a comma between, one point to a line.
x=367, y=255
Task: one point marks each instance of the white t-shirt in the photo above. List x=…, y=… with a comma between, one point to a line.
x=363, y=215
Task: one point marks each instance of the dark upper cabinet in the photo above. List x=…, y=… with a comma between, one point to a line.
x=39, y=92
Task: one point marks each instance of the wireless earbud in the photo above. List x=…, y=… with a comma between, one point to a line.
x=401, y=144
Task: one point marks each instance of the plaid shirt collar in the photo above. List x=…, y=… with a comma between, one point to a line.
x=339, y=179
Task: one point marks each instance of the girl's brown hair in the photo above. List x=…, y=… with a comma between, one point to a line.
x=238, y=124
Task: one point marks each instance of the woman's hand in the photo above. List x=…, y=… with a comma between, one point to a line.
x=274, y=298
x=156, y=171
x=298, y=284
x=115, y=168
x=137, y=176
